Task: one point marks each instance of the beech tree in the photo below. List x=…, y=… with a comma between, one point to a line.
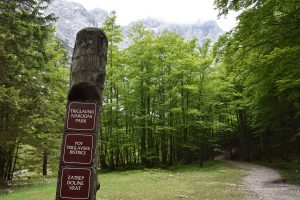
x=260, y=55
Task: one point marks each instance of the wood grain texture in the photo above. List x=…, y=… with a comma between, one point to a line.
x=86, y=85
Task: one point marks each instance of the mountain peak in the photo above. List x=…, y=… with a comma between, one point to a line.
x=72, y=17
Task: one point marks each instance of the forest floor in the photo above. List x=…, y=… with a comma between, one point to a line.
x=214, y=180
x=265, y=183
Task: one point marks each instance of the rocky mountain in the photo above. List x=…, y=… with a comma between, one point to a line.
x=72, y=17
x=199, y=30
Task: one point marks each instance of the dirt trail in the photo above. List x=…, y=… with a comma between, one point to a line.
x=265, y=183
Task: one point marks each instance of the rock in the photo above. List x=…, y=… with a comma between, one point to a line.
x=278, y=181
x=72, y=17
x=7, y=191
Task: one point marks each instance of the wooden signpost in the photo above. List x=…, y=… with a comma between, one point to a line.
x=78, y=163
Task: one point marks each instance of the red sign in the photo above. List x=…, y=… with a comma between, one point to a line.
x=81, y=116
x=75, y=183
x=78, y=148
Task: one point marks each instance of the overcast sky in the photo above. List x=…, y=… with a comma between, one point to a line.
x=174, y=11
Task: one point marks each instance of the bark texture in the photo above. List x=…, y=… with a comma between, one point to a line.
x=88, y=65
x=86, y=85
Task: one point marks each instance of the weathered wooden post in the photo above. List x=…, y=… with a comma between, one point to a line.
x=78, y=163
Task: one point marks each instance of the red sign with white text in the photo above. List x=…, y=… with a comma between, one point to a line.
x=81, y=116
x=78, y=148
x=75, y=183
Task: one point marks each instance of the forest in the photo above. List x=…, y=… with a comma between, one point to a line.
x=167, y=100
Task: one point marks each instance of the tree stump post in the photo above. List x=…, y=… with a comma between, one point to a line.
x=77, y=176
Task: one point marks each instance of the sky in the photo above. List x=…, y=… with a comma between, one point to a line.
x=172, y=11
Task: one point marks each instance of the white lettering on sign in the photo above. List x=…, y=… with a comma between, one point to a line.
x=75, y=182
x=78, y=149
x=80, y=115
x=81, y=111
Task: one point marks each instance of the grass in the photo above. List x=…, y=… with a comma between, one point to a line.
x=290, y=170
x=36, y=189
x=212, y=181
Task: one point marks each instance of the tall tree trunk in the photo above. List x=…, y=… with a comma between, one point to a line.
x=16, y=157
x=164, y=150
x=8, y=167
x=102, y=155
x=244, y=143
x=45, y=162
x=2, y=161
x=143, y=126
x=261, y=145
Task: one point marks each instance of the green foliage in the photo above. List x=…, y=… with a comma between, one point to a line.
x=166, y=99
x=155, y=96
x=33, y=80
x=261, y=59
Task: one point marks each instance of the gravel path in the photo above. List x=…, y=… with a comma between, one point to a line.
x=265, y=183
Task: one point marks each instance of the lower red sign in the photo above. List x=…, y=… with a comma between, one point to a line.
x=75, y=183
x=78, y=148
